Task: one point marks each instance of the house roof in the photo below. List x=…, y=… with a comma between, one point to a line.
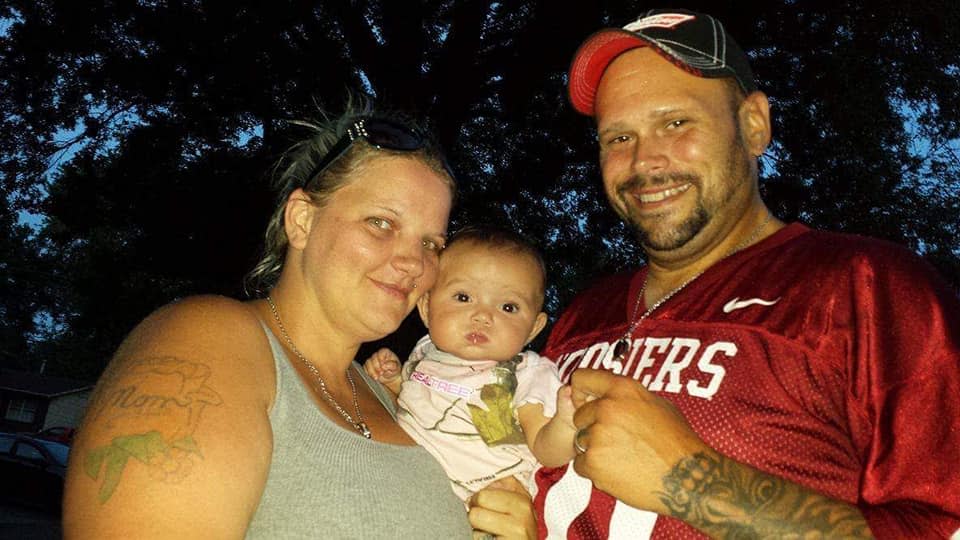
x=40, y=385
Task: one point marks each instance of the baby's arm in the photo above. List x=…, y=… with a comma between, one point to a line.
x=550, y=439
x=384, y=367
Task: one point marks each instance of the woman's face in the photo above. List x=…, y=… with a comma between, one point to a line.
x=376, y=238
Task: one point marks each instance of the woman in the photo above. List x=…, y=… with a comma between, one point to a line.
x=223, y=419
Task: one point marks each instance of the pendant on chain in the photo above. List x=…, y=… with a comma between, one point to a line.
x=621, y=348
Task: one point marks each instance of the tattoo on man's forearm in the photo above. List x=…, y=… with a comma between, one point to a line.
x=727, y=500
x=157, y=426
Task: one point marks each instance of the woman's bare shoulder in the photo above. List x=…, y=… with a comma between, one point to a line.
x=210, y=312
x=213, y=334
x=181, y=408
x=214, y=326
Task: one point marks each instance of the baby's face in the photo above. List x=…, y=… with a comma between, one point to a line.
x=485, y=304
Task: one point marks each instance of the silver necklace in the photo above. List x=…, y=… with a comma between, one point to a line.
x=357, y=424
x=623, y=344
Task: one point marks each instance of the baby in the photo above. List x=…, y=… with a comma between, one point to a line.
x=481, y=405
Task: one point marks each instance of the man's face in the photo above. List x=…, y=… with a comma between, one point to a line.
x=673, y=161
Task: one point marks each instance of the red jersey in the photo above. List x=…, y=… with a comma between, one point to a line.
x=830, y=360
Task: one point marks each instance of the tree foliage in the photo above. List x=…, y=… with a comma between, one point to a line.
x=143, y=132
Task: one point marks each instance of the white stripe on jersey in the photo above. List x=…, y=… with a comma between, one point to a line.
x=630, y=522
x=564, y=502
x=569, y=497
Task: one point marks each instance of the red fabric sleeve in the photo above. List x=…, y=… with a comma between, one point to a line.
x=904, y=396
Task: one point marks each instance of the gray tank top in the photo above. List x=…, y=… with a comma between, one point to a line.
x=328, y=482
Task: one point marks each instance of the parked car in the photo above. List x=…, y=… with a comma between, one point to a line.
x=32, y=470
x=59, y=434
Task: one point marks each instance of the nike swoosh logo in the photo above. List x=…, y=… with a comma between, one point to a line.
x=737, y=303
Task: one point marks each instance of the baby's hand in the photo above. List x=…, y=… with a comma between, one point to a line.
x=565, y=406
x=383, y=366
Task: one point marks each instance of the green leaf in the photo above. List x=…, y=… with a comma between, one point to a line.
x=187, y=444
x=497, y=424
x=143, y=446
x=116, y=461
x=94, y=461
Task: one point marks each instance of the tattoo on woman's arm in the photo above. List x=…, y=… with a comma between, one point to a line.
x=727, y=500
x=156, y=405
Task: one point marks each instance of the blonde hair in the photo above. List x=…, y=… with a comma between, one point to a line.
x=295, y=168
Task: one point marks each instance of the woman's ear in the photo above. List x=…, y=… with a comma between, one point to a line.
x=754, y=118
x=298, y=218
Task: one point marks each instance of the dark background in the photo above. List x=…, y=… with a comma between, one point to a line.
x=138, y=136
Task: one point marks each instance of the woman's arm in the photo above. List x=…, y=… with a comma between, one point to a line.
x=176, y=441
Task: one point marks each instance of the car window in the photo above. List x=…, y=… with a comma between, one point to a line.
x=59, y=451
x=6, y=443
x=28, y=451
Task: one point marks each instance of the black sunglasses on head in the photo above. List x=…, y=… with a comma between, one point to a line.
x=380, y=133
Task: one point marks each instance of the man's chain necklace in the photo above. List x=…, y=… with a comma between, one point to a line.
x=358, y=423
x=622, y=346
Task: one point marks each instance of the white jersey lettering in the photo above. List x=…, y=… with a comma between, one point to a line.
x=650, y=345
x=718, y=371
x=594, y=356
x=634, y=349
x=672, y=367
x=661, y=364
x=566, y=362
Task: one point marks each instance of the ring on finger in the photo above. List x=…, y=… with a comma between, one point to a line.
x=577, y=445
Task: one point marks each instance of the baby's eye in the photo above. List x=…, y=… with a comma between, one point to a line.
x=676, y=123
x=461, y=297
x=511, y=308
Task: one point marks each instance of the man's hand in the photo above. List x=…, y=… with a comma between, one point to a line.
x=639, y=448
x=632, y=438
x=504, y=510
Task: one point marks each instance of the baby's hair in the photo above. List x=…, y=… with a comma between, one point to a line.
x=493, y=237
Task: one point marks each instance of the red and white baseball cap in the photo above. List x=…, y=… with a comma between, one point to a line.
x=694, y=42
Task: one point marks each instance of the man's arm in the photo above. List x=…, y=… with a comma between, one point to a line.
x=642, y=451
x=176, y=440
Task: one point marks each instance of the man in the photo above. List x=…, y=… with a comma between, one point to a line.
x=756, y=378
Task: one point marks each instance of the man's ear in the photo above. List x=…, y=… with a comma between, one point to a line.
x=754, y=118
x=537, y=326
x=423, y=306
x=298, y=218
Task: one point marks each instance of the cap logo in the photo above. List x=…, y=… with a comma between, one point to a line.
x=661, y=20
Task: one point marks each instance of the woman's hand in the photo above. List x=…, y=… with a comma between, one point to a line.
x=503, y=510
